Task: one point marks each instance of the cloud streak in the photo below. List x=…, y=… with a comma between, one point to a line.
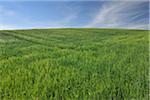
x=125, y=14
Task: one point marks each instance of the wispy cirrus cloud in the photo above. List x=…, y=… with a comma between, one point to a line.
x=121, y=14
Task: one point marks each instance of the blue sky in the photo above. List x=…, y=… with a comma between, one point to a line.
x=74, y=14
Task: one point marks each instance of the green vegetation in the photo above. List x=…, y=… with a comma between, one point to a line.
x=65, y=64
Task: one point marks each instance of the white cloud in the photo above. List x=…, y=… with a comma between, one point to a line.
x=119, y=15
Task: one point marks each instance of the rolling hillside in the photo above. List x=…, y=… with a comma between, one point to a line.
x=102, y=64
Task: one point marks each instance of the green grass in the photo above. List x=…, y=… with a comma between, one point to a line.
x=65, y=64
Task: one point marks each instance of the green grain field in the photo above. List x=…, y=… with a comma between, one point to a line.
x=74, y=64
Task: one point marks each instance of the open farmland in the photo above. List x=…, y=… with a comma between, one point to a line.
x=100, y=64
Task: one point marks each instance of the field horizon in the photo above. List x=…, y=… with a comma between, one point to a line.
x=76, y=28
